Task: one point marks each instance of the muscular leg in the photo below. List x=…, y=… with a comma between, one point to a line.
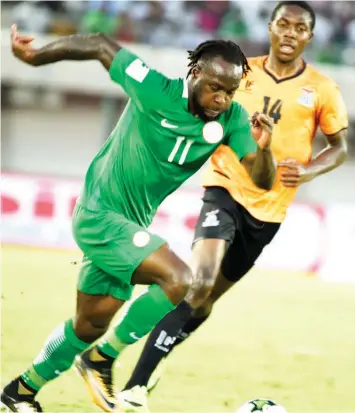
x=66, y=341
x=207, y=256
x=217, y=266
x=160, y=344
x=70, y=338
x=222, y=285
x=211, y=243
x=170, y=279
x=238, y=260
x=234, y=266
x=94, y=313
x=206, y=262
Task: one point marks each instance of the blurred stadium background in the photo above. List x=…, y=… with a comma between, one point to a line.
x=288, y=331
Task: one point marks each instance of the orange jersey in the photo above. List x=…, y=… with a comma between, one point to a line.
x=299, y=105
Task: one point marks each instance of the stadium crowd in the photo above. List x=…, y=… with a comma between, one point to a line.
x=183, y=24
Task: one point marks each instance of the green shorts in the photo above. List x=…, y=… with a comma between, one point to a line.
x=113, y=248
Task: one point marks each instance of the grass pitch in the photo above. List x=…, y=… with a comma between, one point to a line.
x=289, y=337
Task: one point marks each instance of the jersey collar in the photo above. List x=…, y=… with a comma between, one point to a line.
x=283, y=79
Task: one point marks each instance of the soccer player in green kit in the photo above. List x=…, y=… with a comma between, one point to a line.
x=166, y=133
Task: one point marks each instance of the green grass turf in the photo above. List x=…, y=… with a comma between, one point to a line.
x=289, y=337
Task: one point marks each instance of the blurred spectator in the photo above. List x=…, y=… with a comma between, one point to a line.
x=323, y=31
x=210, y=14
x=257, y=16
x=351, y=32
x=233, y=24
x=35, y=16
x=184, y=24
x=75, y=10
x=152, y=19
x=126, y=29
x=100, y=18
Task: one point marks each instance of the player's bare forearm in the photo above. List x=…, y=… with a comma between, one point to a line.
x=293, y=173
x=261, y=167
x=76, y=47
x=330, y=157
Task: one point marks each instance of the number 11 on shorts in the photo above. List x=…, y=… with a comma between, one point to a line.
x=176, y=147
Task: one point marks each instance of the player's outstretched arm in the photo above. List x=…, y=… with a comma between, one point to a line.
x=261, y=166
x=333, y=122
x=332, y=156
x=75, y=47
x=294, y=173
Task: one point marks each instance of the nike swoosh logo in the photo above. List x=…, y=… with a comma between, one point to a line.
x=133, y=335
x=165, y=124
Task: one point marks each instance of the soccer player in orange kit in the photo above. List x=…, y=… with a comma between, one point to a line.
x=238, y=219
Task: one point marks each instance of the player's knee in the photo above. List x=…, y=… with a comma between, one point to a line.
x=204, y=305
x=89, y=328
x=178, y=284
x=202, y=286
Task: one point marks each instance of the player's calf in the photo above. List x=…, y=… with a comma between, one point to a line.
x=206, y=270
x=94, y=315
x=56, y=356
x=87, y=330
x=207, y=257
x=205, y=308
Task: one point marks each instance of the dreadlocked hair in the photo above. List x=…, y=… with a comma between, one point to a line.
x=210, y=49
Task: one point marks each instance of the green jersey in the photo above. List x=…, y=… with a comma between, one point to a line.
x=157, y=143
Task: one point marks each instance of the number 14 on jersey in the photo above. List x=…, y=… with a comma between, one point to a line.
x=275, y=110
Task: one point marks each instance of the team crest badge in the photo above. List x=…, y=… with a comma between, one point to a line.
x=141, y=239
x=212, y=132
x=306, y=98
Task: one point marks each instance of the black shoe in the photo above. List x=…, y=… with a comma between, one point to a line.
x=11, y=401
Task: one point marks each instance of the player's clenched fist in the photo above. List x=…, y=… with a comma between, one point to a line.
x=293, y=173
x=261, y=129
x=21, y=46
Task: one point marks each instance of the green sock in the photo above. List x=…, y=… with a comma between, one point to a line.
x=56, y=356
x=142, y=315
